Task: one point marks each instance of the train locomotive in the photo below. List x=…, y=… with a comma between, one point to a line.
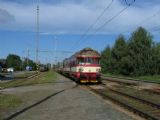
x=83, y=66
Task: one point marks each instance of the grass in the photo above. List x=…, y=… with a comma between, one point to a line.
x=46, y=77
x=25, y=74
x=22, y=75
x=9, y=101
x=154, y=78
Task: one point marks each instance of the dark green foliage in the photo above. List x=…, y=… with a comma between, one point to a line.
x=155, y=68
x=106, y=59
x=140, y=50
x=28, y=62
x=118, y=53
x=3, y=63
x=14, y=61
x=138, y=56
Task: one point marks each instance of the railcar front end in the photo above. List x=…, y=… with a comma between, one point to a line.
x=87, y=70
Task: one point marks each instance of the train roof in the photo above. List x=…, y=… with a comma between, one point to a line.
x=87, y=52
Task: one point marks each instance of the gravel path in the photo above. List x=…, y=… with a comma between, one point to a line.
x=63, y=100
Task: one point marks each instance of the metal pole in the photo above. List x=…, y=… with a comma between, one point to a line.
x=55, y=48
x=27, y=57
x=37, y=42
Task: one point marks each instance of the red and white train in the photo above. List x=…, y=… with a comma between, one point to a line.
x=83, y=66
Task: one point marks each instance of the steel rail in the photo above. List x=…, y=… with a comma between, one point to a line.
x=129, y=107
x=129, y=79
x=136, y=98
x=27, y=78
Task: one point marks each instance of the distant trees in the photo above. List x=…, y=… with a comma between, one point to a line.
x=137, y=56
x=14, y=61
x=28, y=62
x=3, y=63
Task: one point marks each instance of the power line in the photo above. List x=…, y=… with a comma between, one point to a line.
x=112, y=18
x=116, y=15
x=62, y=51
x=145, y=20
x=128, y=3
x=92, y=25
x=98, y=18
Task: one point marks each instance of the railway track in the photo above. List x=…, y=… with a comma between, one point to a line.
x=21, y=80
x=137, y=105
x=155, y=89
x=127, y=80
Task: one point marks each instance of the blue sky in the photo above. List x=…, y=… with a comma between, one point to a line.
x=63, y=22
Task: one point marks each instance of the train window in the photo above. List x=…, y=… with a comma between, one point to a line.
x=81, y=60
x=96, y=61
x=89, y=60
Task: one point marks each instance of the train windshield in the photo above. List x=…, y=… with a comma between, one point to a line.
x=80, y=60
x=92, y=60
x=96, y=61
x=88, y=60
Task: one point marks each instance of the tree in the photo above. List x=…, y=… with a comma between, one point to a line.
x=138, y=56
x=118, y=52
x=28, y=62
x=155, y=68
x=3, y=63
x=14, y=61
x=140, y=51
x=105, y=59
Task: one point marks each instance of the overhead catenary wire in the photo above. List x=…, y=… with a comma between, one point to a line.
x=95, y=22
x=128, y=3
x=112, y=18
x=142, y=22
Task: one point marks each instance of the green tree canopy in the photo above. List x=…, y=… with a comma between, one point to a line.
x=28, y=62
x=14, y=61
x=140, y=50
x=118, y=52
x=3, y=63
x=106, y=59
x=137, y=56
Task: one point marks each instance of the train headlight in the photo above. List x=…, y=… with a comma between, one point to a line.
x=98, y=70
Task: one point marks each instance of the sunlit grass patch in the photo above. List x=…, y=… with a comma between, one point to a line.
x=46, y=77
x=9, y=101
x=25, y=74
x=154, y=78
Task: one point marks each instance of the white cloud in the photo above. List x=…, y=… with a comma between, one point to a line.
x=5, y=17
x=71, y=17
